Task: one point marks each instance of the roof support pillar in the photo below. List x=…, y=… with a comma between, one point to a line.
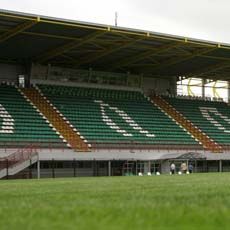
x=203, y=87
x=228, y=91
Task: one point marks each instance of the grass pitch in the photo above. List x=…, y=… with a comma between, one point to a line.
x=198, y=201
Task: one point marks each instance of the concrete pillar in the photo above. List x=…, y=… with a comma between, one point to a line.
x=30, y=169
x=109, y=168
x=74, y=167
x=220, y=165
x=195, y=166
x=149, y=170
x=7, y=169
x=38, y=169
x=228, y=91
x=146, y=167
x=203, y=88
x=141, y=79
x=48, y=71
x=165, y=166
x=53, y=169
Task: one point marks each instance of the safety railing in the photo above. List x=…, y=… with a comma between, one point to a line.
x=18, y=157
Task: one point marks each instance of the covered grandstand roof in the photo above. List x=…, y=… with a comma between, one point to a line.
x=26, y=38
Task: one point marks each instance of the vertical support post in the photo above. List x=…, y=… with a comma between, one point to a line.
x=205, y=166
x=90, y=74
x=53, y=170
x=141, y=80
x=228, y=91
x=38, y=169
x=109, y=168
x=127, y=78
x=97, y=163
x=220, y=166
x=195, y=166
x=94, y=168
x=31, y=73
x=74, y=167
x=203, y=88
x=48, y=71
x=30, y=168
x=7, y=169
x=173, y=85
x=149, y=168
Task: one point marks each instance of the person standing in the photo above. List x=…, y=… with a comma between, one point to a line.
x=172, y=168
x=190, y=168
x=183, y=167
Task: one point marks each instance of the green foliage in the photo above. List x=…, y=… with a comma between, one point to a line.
x=198, y=201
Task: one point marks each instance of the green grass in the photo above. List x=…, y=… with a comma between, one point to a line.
x=199, y=201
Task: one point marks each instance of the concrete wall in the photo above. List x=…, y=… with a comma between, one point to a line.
x=66, y=76
x=57, y=169
x=56, y=73
x=82, y=84
x=94, y=168
x=66, y=172
x=158, y=85
x=10, y=72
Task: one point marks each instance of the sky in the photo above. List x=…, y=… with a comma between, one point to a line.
x=203, y=19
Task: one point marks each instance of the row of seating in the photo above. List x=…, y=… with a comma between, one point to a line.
x=21, y=122
x=109, y=116
x=213, y=118
x=91, y=92
x=115, y=116
x=195, y=97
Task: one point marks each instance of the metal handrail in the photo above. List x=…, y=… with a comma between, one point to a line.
x=18, y=157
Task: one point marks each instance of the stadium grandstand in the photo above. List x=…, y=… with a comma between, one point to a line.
x=85, y=99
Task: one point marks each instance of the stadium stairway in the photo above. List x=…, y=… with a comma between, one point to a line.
x=204, y=139
x=212, y=117
x=57, y=120
x=18, y=161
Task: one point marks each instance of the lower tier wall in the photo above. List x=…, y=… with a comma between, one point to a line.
x=58, y=169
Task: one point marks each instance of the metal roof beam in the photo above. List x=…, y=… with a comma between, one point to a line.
x=66, y=47
x=45, y=35
x=174, y=60
x=143, y=55
x=107, y=52
x=209, y=69
x=215, y=57
x=7, y=14
x=18, y=29
x=94, y=26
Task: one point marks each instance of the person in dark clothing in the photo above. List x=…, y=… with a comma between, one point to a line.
x=190, y=168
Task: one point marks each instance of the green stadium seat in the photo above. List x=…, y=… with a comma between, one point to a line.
x=115, y=116
x=21, y=123
x=213, y=118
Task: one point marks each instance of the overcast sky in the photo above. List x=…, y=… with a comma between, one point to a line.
x=203, y=19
